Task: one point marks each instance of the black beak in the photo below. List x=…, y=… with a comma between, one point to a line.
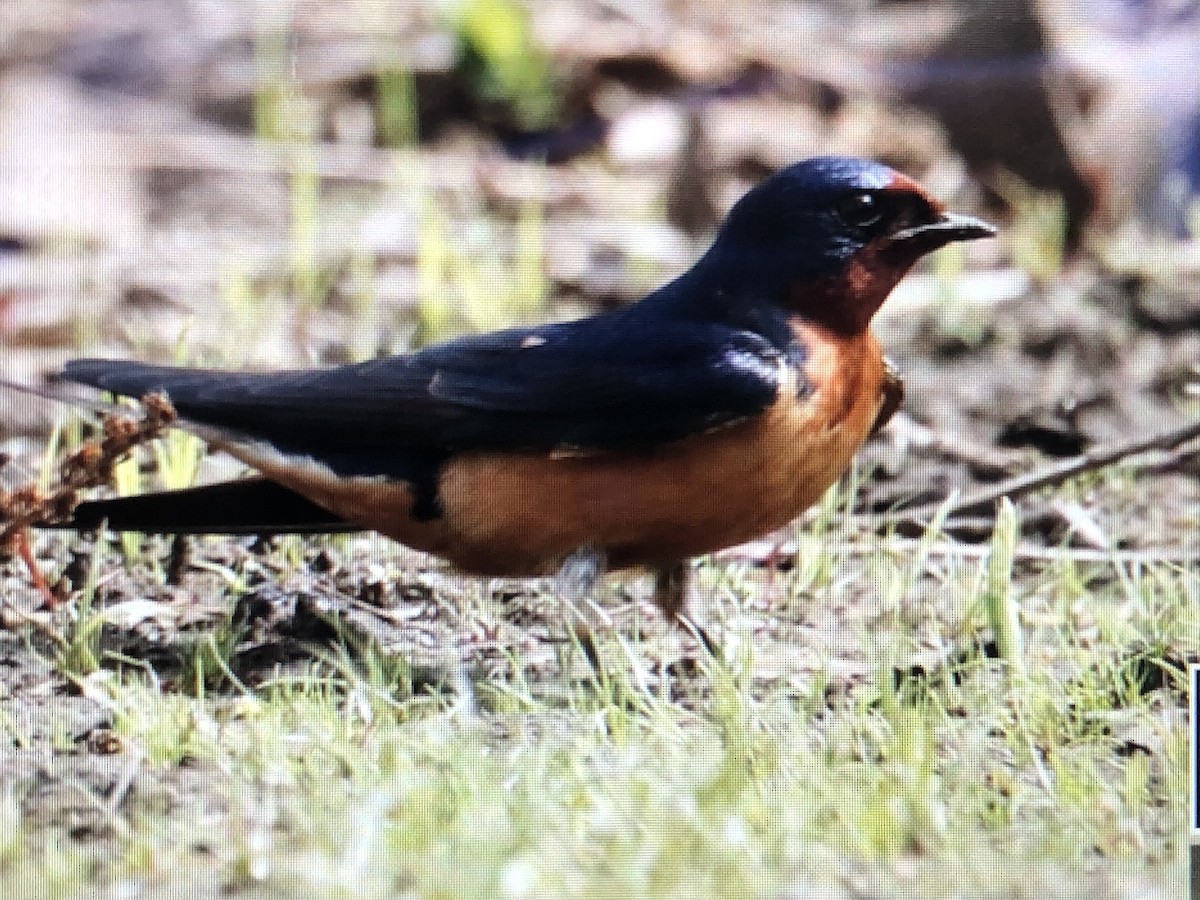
x=946, y=230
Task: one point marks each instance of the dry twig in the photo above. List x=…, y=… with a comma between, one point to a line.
x=1019, y=485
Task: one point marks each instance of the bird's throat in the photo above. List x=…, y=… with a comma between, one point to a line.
x=846, y=302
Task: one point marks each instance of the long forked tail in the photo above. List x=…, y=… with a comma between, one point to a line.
x=244, y=506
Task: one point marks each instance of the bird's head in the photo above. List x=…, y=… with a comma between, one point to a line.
x=828, y=238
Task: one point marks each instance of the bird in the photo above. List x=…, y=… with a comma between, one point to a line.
x=714, y=410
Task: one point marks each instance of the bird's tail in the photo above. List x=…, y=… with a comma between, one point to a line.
x=244, y=506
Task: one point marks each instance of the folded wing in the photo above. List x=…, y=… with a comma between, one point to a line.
x=591, y=386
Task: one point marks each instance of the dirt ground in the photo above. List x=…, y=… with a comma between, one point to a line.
x=145, y=212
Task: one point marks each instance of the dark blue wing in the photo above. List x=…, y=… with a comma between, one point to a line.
x=606, y=383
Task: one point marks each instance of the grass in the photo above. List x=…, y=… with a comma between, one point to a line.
x=502, y=60
x=396, y=108
x=462, y=285
x=1050, y=770
x=1038, y=232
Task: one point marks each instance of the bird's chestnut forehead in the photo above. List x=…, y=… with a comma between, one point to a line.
x=902, y=184
x=827, y=176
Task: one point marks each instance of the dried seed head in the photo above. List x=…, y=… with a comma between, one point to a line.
x=119, y=428
x=91, y=465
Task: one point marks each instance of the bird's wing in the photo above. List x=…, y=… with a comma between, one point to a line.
x=590, y=386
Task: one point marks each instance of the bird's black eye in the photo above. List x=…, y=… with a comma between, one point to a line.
x=860, y=210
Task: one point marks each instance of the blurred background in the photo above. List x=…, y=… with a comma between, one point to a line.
x=260, y=184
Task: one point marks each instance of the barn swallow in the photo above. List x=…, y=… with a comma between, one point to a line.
x=712, y=411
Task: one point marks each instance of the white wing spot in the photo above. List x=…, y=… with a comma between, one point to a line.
x=534, y=340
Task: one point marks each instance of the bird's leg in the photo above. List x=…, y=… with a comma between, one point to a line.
x=577, y=580
x=670, y=595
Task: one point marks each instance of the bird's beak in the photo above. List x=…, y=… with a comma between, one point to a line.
x=946, y=230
